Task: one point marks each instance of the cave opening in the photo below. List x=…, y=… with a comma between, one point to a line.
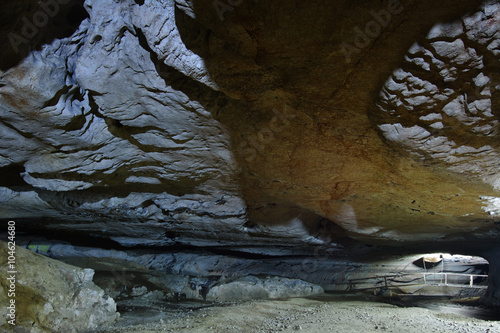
x=444, y=282
x=444, y=275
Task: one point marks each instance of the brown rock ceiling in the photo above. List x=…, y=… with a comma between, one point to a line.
x=329, y=158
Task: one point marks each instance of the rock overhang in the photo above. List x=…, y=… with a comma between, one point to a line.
x=182, y=128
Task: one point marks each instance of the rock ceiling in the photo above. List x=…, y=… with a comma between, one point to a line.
x=250, y=123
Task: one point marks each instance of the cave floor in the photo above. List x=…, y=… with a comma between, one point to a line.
x=323, y=313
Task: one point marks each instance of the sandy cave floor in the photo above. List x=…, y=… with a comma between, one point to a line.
x=325, y=313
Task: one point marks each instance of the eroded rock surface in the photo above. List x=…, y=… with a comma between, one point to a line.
x=114, y=126
x=159, y=123
x=443, y=104
x=51, y=296
x=251, y=287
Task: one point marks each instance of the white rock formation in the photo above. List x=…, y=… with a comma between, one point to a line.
x=51, y=296
x=112, y=126
x=251, y=287
x=458, y=124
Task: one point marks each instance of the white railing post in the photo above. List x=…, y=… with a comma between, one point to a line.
x=432, y=281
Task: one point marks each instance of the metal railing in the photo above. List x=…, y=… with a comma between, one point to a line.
x=471, y=277
x=425, y=276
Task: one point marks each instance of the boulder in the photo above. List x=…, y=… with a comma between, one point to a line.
x=51, y=296
x=251, y=287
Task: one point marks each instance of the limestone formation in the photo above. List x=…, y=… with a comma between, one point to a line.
x=251, y=287
x=259, y=127
x=51, y=296
x=443, y=104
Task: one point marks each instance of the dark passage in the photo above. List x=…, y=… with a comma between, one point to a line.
x=28, y=25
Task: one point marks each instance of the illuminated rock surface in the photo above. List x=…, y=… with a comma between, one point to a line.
x=267, y=128
x=51, y=296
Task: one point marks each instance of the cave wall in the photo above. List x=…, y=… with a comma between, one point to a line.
x=256, y=124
